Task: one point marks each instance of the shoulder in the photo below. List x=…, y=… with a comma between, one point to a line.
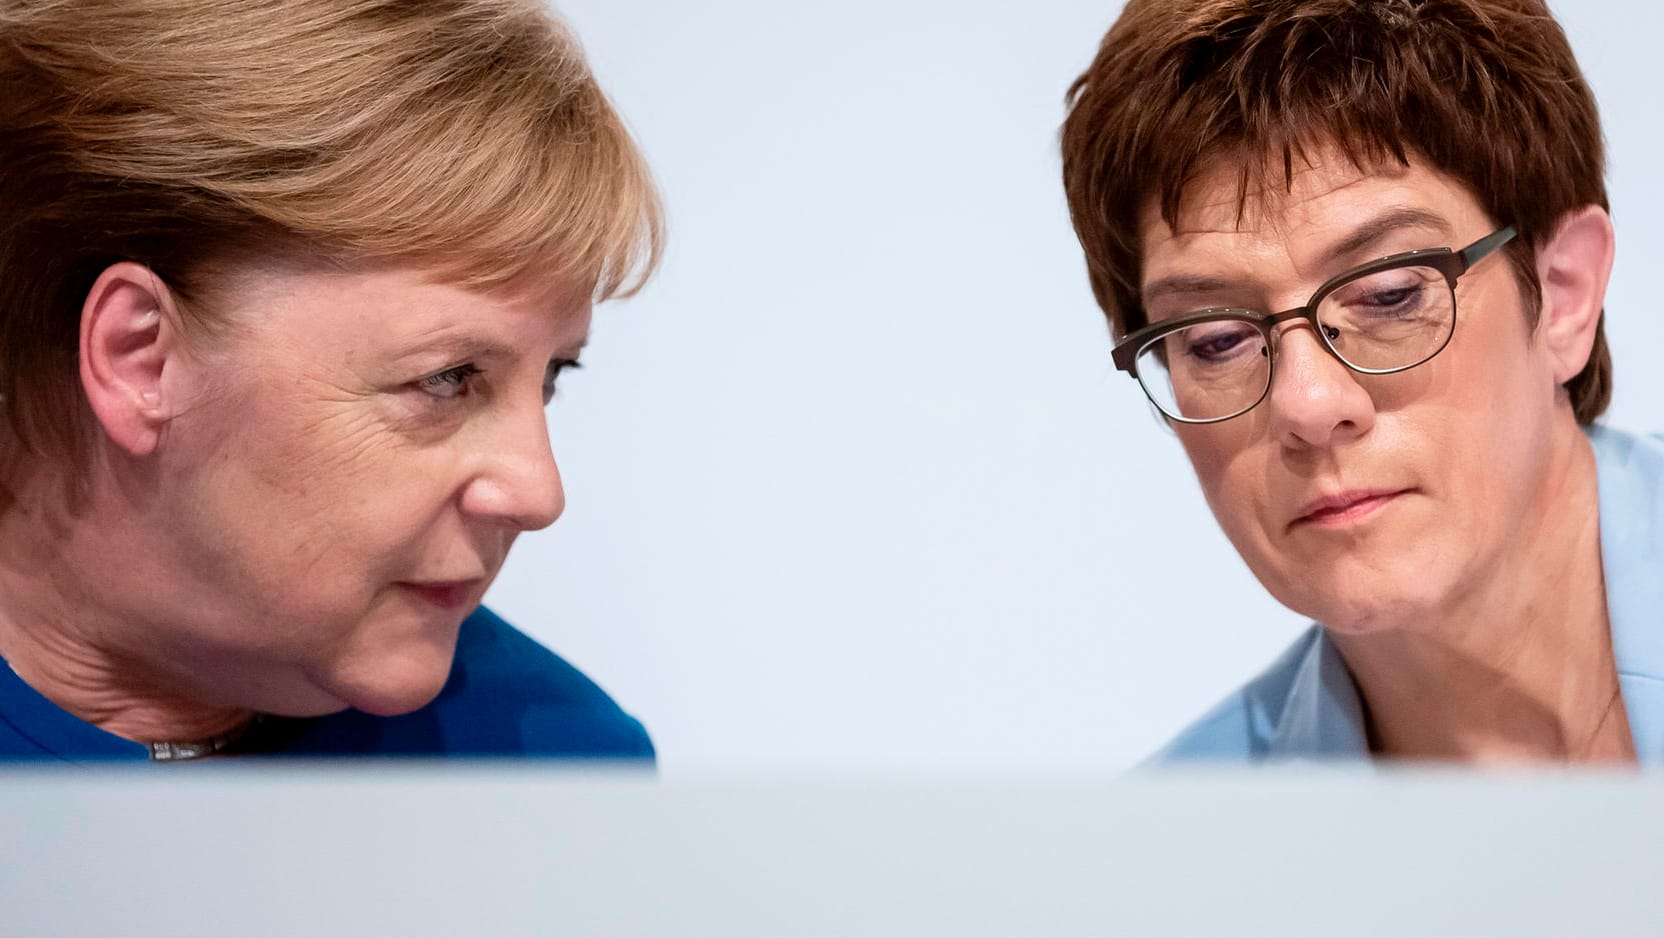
x=507, y=695
x=1241, y=727
x=1630, y=472
x=34, y=728
x=1621, y=450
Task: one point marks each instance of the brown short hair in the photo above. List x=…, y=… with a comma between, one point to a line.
x=1486, y=91
x=465, y=134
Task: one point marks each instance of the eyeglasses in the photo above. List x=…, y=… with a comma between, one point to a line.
x=1387, y=316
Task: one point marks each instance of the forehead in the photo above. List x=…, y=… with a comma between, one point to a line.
x=1224, y=218
x=347, y=305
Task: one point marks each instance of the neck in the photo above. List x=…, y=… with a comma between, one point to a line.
x=1520, y=665
x=82, y=652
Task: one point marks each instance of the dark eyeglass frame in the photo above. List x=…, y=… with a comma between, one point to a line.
x=1451, y=263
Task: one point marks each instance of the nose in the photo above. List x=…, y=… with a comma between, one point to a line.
x=518, y=483
x=1315, y=401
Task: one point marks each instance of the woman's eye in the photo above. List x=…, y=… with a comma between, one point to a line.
x=450, y=383
x=552, y=374
x=1390, y=294
x=1390, y=299
x=1216, y=343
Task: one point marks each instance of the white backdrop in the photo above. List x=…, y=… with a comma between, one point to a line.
x=854, y=487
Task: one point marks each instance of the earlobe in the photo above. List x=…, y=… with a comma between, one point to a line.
x=1573, y=268
x=128, y=339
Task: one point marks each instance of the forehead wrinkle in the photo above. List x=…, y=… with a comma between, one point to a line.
x=1268, y=211
x=1266, y=230
x=1235, y=199
x=1198, y=263
x=453, y=320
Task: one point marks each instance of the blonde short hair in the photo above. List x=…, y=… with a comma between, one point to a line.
x=465, y=134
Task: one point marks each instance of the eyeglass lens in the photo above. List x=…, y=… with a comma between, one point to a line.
x=1385, y=321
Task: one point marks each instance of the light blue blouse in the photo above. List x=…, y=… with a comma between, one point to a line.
x=1306, y=706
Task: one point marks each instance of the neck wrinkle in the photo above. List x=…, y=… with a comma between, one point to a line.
x=65, y=644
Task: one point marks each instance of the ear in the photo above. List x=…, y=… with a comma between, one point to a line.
x=1573, y=268
x=129, y=339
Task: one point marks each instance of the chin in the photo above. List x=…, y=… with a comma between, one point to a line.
x=402, y=691
x=396, y=663
x=1383, y=578
x=1385, y=610
x=1363, y=602
x=394, y=682
x=1354, y=618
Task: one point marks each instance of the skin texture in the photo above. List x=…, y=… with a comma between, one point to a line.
x=292, y=514
x=1468, y=601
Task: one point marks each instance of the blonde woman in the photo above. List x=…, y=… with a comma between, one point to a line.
x=284, y=290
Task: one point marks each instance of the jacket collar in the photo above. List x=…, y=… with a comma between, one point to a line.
x=1631, y=479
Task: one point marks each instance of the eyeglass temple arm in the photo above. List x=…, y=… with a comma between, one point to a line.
x=1475, y=252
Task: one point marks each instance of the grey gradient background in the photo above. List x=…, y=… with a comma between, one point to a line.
x=849, y=485
x=420, y=849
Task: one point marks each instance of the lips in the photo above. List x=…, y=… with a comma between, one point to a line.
x=1345, y=507
x=450, y=595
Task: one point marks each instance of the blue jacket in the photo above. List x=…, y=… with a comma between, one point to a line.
x=506, y=696
x=1306, y=705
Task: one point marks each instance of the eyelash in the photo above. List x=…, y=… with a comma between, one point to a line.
x=456, y=382
x=553, y=374
x=450, y=383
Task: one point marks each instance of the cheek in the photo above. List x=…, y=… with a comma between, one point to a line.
x=1497, y=366
x=322, y=485
x=1218, y=451
x=1223, y=457
x=318, y=453
x=1484, y=413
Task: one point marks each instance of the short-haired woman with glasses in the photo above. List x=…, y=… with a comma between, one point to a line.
x=1356, y=255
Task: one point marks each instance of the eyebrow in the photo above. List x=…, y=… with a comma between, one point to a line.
x=1355, y=241
x=469, y=347
x=474, y=347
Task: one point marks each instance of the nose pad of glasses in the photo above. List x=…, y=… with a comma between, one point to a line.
x=1329, y=332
